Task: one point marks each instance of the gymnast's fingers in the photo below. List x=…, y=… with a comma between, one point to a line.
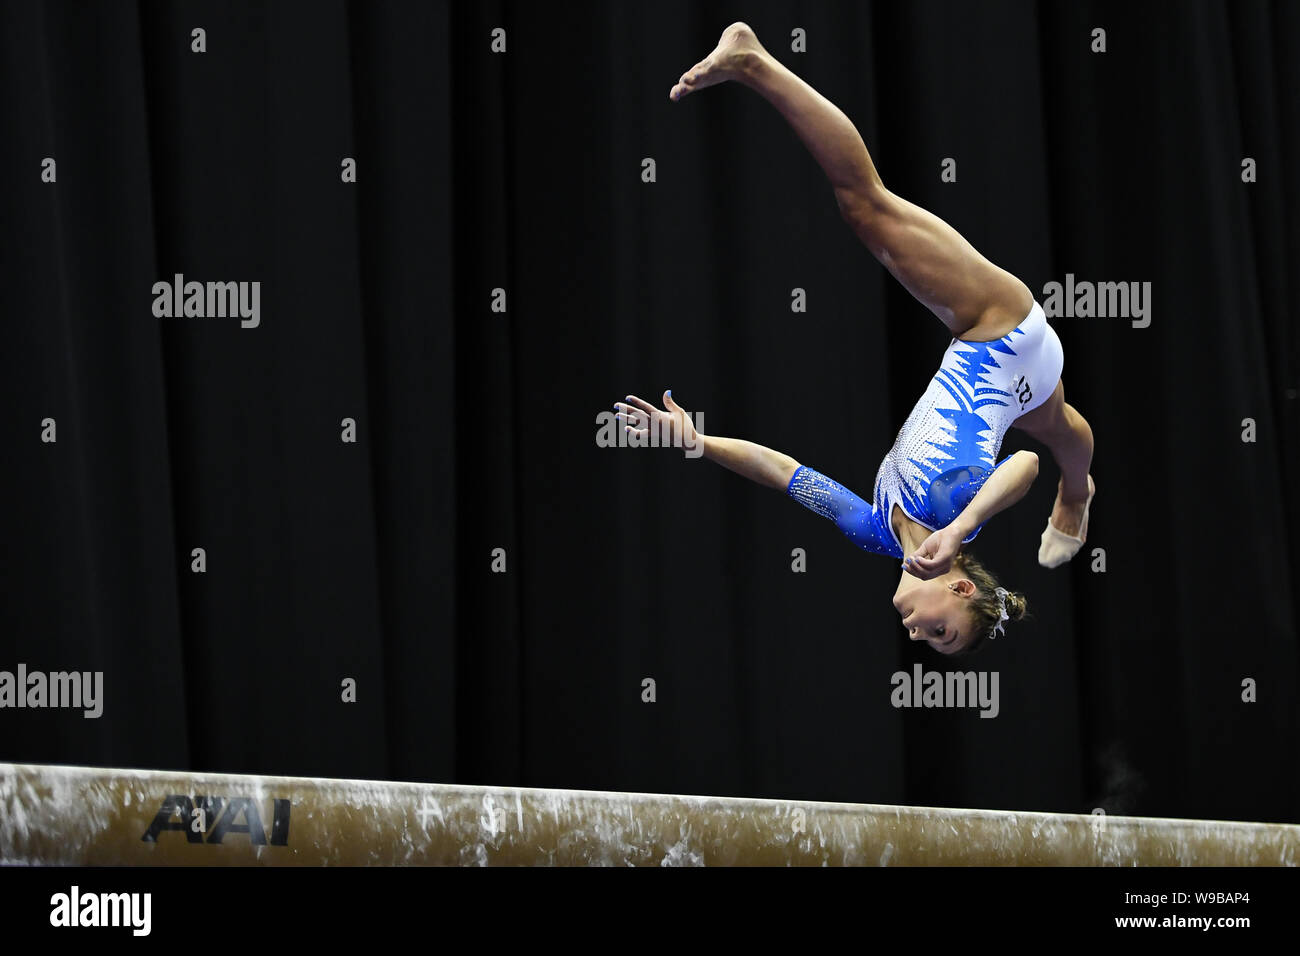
x=642, y=404
x=923, y=568
x=632, y=417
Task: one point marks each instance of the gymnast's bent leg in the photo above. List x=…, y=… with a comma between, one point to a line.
x=1067, y=434
x=970, y=295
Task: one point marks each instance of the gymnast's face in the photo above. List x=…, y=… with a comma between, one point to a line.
x=938, y=612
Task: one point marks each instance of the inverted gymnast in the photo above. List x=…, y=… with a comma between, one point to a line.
x=939, y=484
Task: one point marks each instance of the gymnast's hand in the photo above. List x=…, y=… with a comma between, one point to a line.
x=671, y=427
x=935, y=555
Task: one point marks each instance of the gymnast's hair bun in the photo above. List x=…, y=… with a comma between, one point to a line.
x=1017, y=606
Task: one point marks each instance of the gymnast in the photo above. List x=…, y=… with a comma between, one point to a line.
x=941, y=481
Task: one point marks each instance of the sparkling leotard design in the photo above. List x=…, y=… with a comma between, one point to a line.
x=947, y=448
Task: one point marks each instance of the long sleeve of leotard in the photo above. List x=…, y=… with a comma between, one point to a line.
x=863, y=525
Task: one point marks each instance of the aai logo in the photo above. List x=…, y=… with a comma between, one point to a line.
x=218, y=817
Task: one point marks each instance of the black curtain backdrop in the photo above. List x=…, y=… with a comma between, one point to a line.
x=476, y=429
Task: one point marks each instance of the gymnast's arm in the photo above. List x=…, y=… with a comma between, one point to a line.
x=1008, y=484
x=762, y=465
x=771, y=469
x=855, y=518
x=766, y=467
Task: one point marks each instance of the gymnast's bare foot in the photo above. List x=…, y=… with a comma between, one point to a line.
x=1067, y=516
x=736, y=51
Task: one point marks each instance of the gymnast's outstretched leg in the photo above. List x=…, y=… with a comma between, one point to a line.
x=971, y=296
x=974, y=298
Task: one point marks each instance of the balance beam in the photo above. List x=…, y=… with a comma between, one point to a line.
x=99, y=817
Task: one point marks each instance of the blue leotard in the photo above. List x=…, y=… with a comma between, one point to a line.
x=947, y=448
